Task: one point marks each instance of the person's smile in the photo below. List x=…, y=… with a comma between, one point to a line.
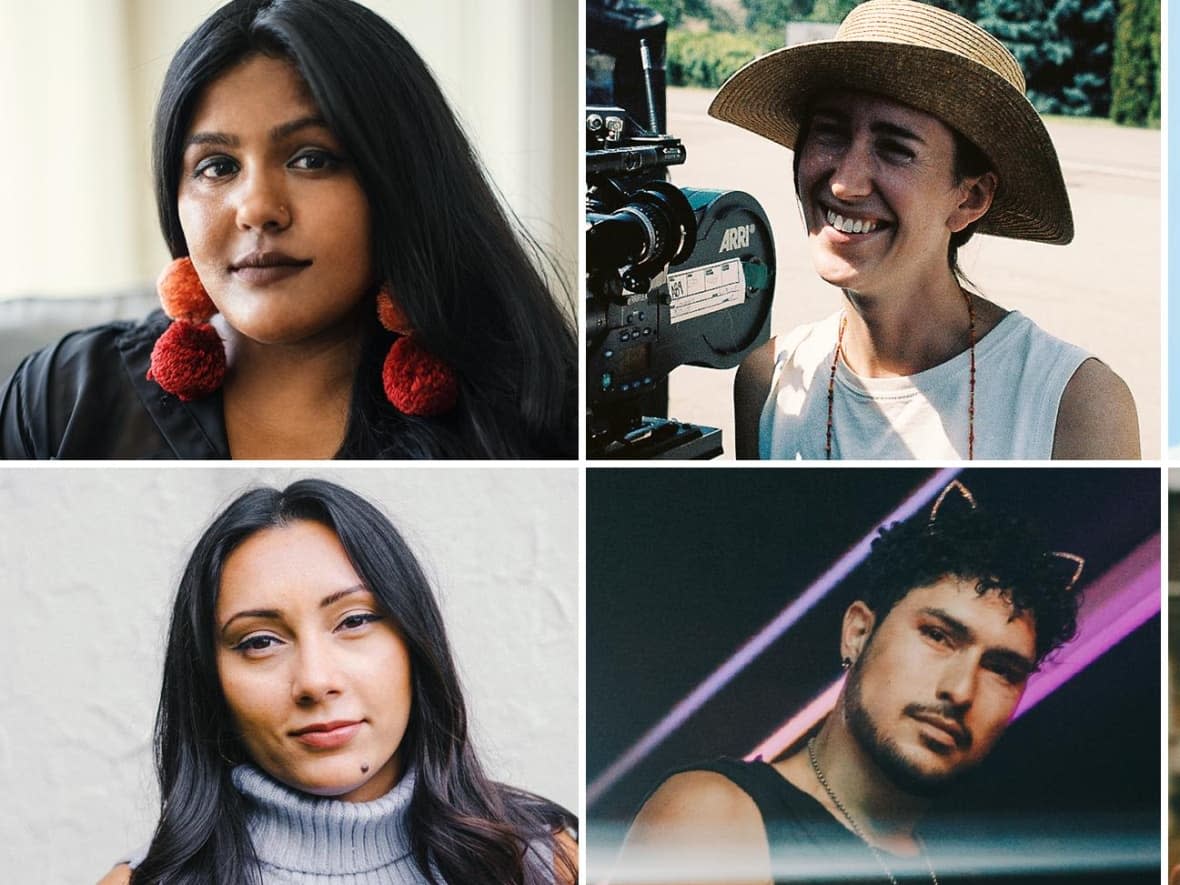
x=851, y=222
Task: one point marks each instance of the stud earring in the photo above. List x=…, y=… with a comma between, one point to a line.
x=188, y=360
x=846, y=663
x=416, y=381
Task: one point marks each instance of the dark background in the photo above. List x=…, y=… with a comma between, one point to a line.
x=684, y=565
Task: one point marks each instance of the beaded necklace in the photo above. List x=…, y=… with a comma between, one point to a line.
x=823, y=782
x=970, y=389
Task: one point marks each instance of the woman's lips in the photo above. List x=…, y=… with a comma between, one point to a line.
x=329, y=739
x=266, y=275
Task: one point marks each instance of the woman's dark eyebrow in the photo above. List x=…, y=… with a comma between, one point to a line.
x=274, y=614
x=285, y=129
x=278, y=133
x=271, y=614
x=340, y=594
x=215, y=138
x=882, y=127
x=832, y=113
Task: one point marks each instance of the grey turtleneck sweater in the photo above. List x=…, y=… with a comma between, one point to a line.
x=301, y=839
x=307, y=840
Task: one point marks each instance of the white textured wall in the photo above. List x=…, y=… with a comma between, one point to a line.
x=90, y=559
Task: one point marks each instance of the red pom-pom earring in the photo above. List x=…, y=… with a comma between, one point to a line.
x=188, y=360
x=416, y=381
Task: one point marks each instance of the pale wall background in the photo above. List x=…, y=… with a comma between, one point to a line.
x=91, y=559
x=78, y=85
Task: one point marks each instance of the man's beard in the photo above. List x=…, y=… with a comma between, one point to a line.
x=884, y=752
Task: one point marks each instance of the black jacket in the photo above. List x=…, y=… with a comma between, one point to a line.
x=88, y=397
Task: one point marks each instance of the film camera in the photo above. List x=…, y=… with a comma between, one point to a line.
x=674, y=276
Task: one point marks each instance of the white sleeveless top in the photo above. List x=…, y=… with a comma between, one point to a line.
x=1020, y=375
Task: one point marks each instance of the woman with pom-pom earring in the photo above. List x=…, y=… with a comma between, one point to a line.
x=310, y=180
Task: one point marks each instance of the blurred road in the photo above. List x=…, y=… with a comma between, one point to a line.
x=1101, y=292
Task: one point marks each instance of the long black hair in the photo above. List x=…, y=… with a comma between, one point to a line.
x=462, y=825
x=461, y=266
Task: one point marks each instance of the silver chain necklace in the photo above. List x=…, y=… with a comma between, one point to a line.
x=823, y=782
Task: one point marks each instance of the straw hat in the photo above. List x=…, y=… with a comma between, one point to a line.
x=937, y=62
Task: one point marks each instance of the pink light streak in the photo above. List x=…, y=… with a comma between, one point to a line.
x=1121, y=600
x=799, y=724
x=761, y=640
x=1117, y=603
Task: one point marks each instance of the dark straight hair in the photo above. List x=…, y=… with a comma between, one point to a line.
x=467, y=274
x=463, y=826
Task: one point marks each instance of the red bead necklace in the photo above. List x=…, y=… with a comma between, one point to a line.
x=970, y=389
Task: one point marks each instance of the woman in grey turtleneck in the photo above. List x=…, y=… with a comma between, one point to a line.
x=311, y=726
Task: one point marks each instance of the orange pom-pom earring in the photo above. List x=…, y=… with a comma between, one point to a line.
x=416, y=381
x=188, y=360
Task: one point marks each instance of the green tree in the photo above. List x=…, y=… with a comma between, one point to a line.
x=774, y=14
x=675, y=11
x=708, y=59
x=966, y=8
x=1135, y=76
x=1063, y=46
x=1087, y=27
x=832, y=10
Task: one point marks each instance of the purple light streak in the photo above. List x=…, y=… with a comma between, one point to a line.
x=799, y=724
x=1118, y=602
x=761, y=640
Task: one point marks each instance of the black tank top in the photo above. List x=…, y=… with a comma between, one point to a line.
x=808, y=845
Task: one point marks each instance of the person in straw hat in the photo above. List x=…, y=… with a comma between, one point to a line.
x=911, y=132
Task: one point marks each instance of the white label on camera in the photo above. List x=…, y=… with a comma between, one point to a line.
x=702, y=290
